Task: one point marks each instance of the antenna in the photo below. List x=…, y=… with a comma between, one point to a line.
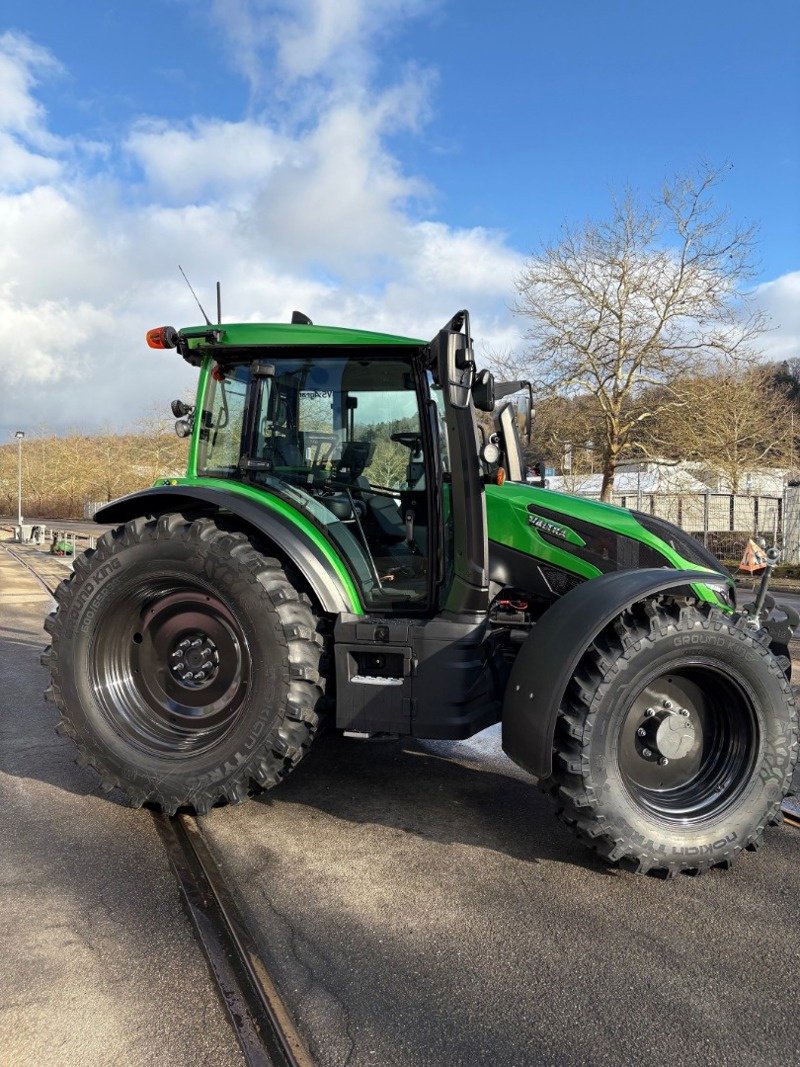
x=194, y=294
x=219, y=305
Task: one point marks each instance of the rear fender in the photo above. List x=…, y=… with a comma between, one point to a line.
x=288, y=540
x=550, y=654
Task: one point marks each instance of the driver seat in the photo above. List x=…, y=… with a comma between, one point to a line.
x=383, y=512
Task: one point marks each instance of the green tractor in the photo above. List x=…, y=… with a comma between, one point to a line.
x=349, y=546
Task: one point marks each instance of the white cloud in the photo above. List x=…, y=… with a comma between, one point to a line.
x=27, y=147
x=208, y=157
x=20, y=167
x=46, y=342
x=309, y=38
x=22, y=63
x=780, y=299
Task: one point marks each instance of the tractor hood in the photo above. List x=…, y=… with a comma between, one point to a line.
x=580, y=539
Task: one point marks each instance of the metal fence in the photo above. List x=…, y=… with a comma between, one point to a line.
x=722, y=521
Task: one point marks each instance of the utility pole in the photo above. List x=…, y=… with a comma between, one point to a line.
x=20, y=436
x=791, y=444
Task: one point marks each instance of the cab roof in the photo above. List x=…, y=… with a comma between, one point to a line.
x=257, y=334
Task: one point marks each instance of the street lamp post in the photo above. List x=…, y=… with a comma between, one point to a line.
x=20, y=436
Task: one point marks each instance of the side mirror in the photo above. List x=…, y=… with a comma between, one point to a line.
x=525, y=411
x=504, y=389
x=524, y=407
x=455, y=366
x=483, y=396
x=180, y=408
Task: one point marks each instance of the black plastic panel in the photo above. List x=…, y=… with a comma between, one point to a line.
x=440, y=678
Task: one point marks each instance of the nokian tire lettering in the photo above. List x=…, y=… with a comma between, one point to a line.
x=126, y=627
x=607, y=762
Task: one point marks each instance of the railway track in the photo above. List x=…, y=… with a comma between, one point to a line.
x=263, y=1026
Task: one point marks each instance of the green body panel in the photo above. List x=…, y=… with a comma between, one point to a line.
x=258, y=334
x=274, y=503
x=508, y=524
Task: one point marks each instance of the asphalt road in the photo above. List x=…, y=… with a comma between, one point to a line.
x=99, y=964
x=417, y=903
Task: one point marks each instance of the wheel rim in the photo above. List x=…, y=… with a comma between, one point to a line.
x=171, y=667
x=688, y=743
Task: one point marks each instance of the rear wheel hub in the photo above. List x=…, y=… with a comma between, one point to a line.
x=194, y=660
x=171, y=673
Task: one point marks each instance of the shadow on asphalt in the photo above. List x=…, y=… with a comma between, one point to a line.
x=443, y=792
x=7, y=637
x=439, y=791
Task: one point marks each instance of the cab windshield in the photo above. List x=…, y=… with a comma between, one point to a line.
x=341, y=439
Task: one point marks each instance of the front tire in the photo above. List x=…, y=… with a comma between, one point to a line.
x=185, y=664
x=676, y=740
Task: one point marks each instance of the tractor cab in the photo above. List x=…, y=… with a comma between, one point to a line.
x=346, y=437
x=374, y=443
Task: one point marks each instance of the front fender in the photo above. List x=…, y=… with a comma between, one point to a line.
x=550, y=654
x=290, y=539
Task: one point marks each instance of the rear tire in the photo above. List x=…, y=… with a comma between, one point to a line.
x=185, y=664
x=676, y=740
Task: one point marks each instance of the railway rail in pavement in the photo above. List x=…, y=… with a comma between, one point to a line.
x=263, y=1026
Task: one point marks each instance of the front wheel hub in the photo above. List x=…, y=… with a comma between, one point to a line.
x=687, y=743
x=667, y=735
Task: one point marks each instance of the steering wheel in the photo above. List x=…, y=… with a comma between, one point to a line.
x=408, y=439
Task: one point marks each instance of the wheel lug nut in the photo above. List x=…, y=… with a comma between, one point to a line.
x=207, y=665
x=641, y=732
x=667, y=703
x=184, y=643
x=178, y=653
x=200, y=676
x=685, y=713
x=650, y=713
x=663, y=761
x=646, y=753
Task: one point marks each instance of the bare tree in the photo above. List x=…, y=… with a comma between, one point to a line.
x=389, y=464
x=734, y=418
x=621, y=307
x=566, y=431
x=157, y=451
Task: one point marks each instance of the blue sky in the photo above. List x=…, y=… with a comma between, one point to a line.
x=376, y=163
